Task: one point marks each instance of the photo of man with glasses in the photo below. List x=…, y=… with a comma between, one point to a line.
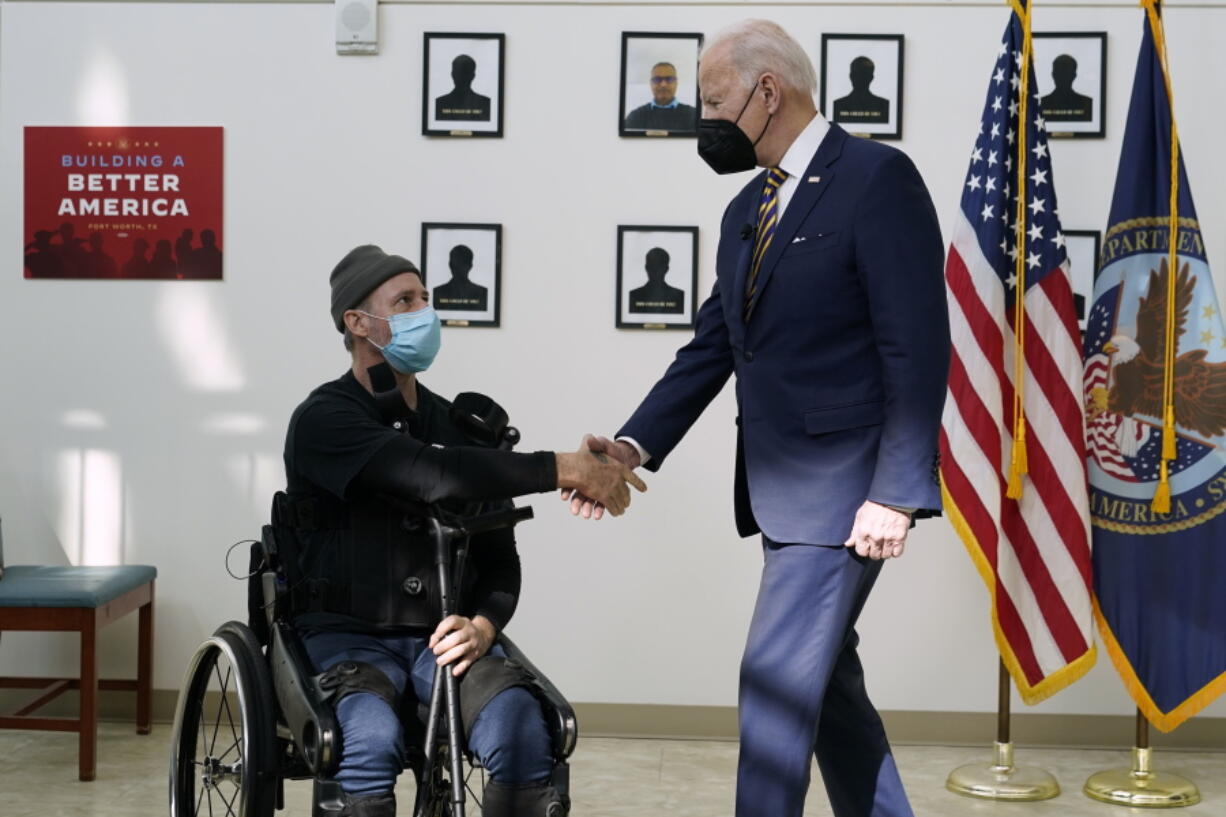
x=664, y=112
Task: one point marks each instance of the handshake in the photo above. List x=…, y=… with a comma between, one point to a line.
x=598, y=477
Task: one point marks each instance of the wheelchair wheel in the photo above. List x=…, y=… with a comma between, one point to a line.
x=434, y=798
x=224, y=747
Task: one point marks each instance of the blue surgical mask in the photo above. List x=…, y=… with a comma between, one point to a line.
x=416, y=337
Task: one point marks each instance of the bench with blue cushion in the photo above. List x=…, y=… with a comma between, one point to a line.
x=84, y=600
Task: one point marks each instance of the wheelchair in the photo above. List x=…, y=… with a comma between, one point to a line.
x=252, y=713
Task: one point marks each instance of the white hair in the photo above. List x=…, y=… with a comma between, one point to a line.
x=756, y=47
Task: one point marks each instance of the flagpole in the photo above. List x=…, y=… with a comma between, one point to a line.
x=1018, y=460
x=1161, y=502
x=1001, y=779
x=1141, y=786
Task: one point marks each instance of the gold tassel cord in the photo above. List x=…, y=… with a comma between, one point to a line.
x=1018, y=465
x=1162, y=495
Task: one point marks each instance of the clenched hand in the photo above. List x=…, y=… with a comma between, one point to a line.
x=878, y=532
x=460, y=641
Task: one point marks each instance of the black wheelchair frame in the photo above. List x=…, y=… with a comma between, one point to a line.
x=250, y=717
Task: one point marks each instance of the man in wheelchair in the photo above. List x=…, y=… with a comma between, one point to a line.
x=366, y=602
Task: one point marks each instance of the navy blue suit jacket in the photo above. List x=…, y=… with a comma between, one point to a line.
x=841, y=369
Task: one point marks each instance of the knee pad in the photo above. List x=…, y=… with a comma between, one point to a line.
x=488, y=676
x=348, y=677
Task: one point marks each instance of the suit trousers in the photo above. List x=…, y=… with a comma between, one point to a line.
x=802, y=691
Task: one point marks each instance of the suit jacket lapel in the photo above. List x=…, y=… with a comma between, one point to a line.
x=806, y=197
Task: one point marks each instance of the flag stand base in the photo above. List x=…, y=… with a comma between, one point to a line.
x=1140, y=786
x=1002, y=780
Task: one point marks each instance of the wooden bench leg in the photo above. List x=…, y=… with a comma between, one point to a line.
x=87, y=748
x=144, y=670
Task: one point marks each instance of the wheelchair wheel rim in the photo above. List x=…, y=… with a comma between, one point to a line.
x=211, y=752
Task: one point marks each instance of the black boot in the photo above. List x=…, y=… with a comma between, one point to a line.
x=372, y=805
x=523, y=801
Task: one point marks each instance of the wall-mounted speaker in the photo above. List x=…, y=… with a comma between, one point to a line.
x=357, y=27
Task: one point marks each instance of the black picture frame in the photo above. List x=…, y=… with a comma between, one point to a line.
x=641, y=52
x=475, y=110
x=876, y=110
x=1081, y=113
x=655, y=309
x=1084, y=248
x=479, y=303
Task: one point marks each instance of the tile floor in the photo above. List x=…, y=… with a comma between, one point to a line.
x=610, y=778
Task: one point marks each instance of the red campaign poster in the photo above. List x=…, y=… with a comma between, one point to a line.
x=123, y=203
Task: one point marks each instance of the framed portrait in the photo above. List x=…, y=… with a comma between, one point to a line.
x=1071, y=70
x=659, y=84
x=462, y=84
x=1083, y=247
x=657, y=277
x=862, y=85
x=462, y=269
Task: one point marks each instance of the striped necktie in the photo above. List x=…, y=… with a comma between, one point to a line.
x=768, y=217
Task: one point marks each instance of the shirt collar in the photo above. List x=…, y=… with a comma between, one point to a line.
x=796, y=161
x=672, y=104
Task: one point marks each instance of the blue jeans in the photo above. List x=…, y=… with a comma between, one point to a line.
x=509, y=736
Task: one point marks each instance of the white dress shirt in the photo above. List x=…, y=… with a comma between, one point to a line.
x=796, y=160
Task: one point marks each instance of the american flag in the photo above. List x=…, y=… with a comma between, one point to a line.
x=1034, y=551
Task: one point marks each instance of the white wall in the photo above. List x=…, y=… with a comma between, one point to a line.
x=171, y=398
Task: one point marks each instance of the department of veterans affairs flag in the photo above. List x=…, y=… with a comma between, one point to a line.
x=1033, y=551
x=1158, y=577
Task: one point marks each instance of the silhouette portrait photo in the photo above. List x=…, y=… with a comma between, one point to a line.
x=1070, y=68
x=664, y=111
x=861, y=105
x=462, y=84
x=656, y=296
x=461, y=266
x=459, y=293
x=462, y=103
x=657, y=277
x=1064, y=104
x=861, y=83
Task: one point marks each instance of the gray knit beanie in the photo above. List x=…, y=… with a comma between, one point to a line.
x=360, y=273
